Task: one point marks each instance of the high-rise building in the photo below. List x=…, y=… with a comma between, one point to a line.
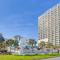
x=49, y=26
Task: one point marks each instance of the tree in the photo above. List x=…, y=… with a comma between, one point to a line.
x=2, y=42
x=32, y=42
x=50, y=46
x=11, y=42
x=42, y=44
x=1, y=38
x=3, y=45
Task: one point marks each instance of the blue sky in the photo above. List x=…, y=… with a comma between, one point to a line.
x=20, y=17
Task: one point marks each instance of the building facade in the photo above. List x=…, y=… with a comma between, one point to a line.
x=49, y=25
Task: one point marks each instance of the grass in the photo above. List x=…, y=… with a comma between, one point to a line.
x=35, y=57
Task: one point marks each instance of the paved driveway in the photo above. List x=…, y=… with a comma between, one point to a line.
x=57, y=58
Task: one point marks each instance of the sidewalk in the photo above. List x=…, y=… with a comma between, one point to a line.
x=57, y=58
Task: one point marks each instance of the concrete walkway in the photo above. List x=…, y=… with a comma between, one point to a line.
x=57, y=58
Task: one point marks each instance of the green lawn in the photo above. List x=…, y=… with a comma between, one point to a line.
x=36, y=57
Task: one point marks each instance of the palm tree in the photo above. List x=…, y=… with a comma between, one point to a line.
x=3, y=46
x=32, y=42
x=11, y=42
x=50, y=46
x=42, y=44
